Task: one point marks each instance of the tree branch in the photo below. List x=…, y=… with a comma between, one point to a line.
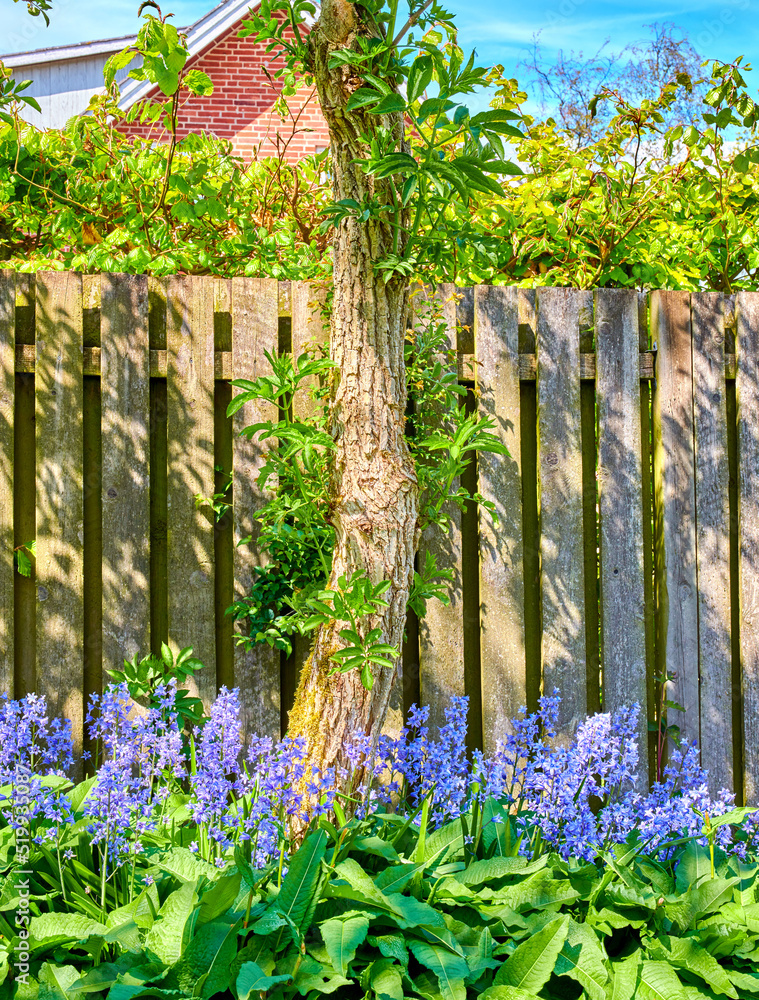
x=410, y=24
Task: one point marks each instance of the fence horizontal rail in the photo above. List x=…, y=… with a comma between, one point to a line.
x=627, y=543
x=26, y=358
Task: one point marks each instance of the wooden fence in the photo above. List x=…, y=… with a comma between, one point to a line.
x=627, y=543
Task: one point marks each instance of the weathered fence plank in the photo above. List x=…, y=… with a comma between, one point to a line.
x=309, y=331
x=712, y=539
x=190, y=404
x=255, y=317
x=502, y=642
x=675, y=508
x=441, y=631
x=7, y=401
x=59, y=500
x=747, y=390
x=621, y=507
x=125, y=424
x=561, y=509
x=649, y=603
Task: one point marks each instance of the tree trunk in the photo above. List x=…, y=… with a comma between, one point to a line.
x=373, y=482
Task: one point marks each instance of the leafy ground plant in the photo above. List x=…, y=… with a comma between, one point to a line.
x=538, y=871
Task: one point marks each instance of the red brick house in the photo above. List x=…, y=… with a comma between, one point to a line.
x=240, y=109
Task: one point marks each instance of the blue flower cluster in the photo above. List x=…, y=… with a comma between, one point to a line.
x=140, y=761
x=577, y=798
x=582, y=798
x=34, y=750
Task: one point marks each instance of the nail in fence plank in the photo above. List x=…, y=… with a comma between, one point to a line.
x=125, y=424
x=190, y=401
x=7, y=397
x=60, y=514
x=502, y=643
x=255, y=317
x=441, y=631
x=747, y=389
x=561, y=512
x=675, y=507
x=621, y=508
x=712, y=539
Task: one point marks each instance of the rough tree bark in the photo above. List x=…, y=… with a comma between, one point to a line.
x=373, y=486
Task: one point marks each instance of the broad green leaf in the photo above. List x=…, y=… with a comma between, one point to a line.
x=694, y=865
x=686, y=954
x=658, y=981
x=494, y=868
x=342, y=937
x=184, y=865
x=445, y=844
x=377, y=846
x=451, y=970
x=252, y=980
x=385, y=979
x=52, y=929
x=310, y=974
x=58, y=979
x=302, y=887
x=391, y=946
x=205, y=966
x=167, y=937
x=506, y=993
x=218, y=898
x=410, y=912
x=533, y=961
x=624, y=977
x=361, y=888
x=582, y=959
x=537, y=891
x=745, y=981
x=395, y=878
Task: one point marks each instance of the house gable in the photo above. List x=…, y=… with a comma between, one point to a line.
x=242, y=106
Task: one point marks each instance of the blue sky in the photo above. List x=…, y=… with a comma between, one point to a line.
x=500, y=31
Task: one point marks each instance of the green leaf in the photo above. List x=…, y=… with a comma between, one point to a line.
x=491, y=869
x=694, y=865
x=302, y=887
x=659, y=981
x=168, y=936
x=624, y=977
x=184, y=865
x=205, y=964
x=342, y=937
x=391, y=104
x=450, y=969
x=445, y=844
x=198, y=83
x=507, y=993
x=253, y=980
x=385, y=980
x=58, y=979
x=52, y=929
x=377, y=846
x=533, y=961
x=685, y=953
x=218, y=899
x=582, y=959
